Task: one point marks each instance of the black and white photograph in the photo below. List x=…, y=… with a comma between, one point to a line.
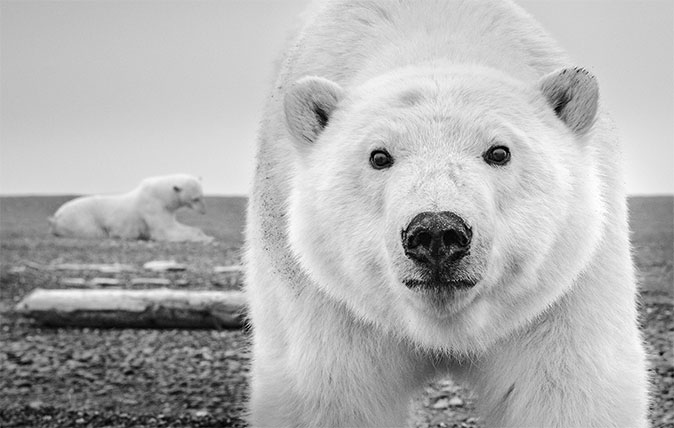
x=337, y=213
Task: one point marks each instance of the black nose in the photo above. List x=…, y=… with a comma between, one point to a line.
x=436, y=237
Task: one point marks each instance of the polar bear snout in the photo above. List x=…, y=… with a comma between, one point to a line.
x=436, y=239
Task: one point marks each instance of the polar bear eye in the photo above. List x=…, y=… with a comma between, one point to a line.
x=380, y=159
x=497, y=155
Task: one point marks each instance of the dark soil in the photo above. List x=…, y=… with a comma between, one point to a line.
x=182, y=378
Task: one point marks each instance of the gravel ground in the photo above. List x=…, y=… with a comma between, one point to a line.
x=198, y=378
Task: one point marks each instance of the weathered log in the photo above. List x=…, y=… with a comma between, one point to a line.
x=116, y=308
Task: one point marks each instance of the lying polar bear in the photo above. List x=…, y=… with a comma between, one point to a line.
x=146, y=212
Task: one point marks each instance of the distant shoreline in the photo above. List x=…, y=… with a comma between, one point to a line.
x=63, y=195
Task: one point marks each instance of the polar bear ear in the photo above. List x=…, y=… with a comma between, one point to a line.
x=309, y=104
x=573, y=94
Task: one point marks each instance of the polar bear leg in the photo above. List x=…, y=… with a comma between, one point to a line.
x=301, y=374
x=130, y=227
x=579, y=364
x=78, y=227
x=164, y=227
x=181, y=232
x=556, y=378
x=311, y=382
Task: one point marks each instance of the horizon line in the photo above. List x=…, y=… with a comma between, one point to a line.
x=41, y=195
x=230, y=195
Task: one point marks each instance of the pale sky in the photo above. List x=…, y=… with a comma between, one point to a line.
x=96, y=95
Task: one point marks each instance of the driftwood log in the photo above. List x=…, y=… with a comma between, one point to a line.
x=154, y=308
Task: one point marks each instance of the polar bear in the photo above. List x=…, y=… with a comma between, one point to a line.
x=146, y=212
x=438, y=191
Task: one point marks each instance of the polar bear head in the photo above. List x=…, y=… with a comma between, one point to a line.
x=175, y=191
x=450, y=204
x=189, y=193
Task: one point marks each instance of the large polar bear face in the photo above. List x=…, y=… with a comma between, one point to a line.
x=447, y=204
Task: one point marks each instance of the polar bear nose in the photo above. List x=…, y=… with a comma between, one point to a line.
x=436, y=237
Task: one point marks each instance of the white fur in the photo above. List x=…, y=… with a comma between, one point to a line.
x=548, y=335
x=146, y=212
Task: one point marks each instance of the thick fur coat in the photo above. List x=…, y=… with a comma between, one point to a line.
x=146, y=212
x=539, y=313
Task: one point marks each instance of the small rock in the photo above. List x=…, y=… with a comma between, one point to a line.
x=441, y=403
x=455, y=402
x=79, y=421
x=86, y=375
x=164, y=266
x=205, y=353
x=151, y=281
x=17, y=269
x=439, y=421
x=35, y=405
x=104, y=282
x=201, y=413
x=448, y=386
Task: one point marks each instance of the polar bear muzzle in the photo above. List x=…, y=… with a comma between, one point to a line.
x=436, y=242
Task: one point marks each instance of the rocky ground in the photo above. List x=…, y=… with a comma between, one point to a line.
x=198, y=378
